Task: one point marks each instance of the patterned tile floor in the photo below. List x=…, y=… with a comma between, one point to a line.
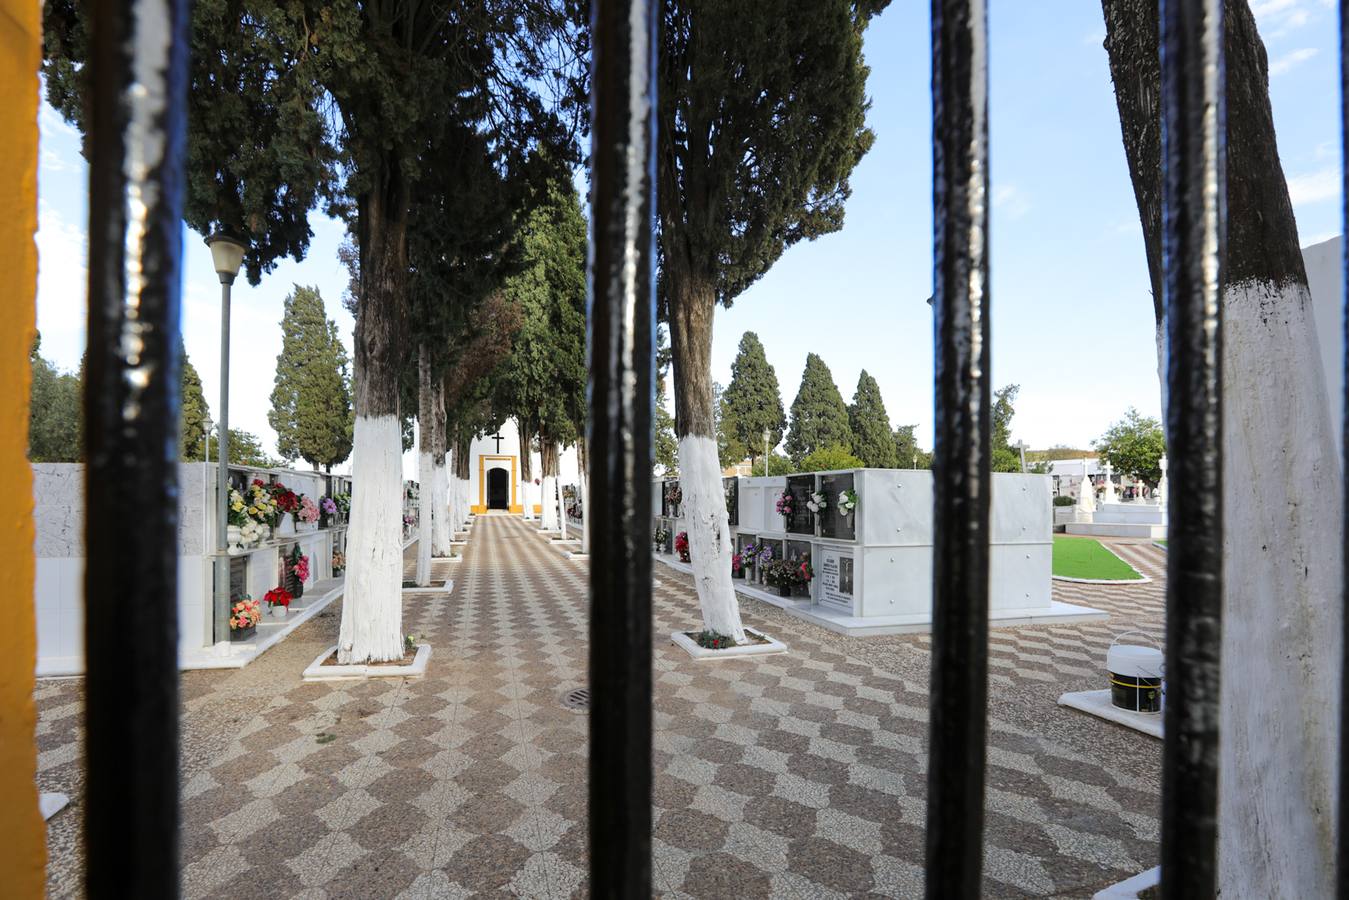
x=795, y=776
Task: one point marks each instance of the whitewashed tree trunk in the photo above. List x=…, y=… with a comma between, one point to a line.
x=1281, y=601
x=440, y=485
x=583, y=491
x=425, y=467
x=548, y=517
x=465, y=500
x=704, y=510
x=526, y=469
x=372, y=601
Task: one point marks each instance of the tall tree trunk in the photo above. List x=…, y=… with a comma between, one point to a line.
x=692, y=305
x=440, y=480
x=462, y=458
x=1281, y=612
x=372, y=603
x=425, y=467
x=526, y=431
x=548, y=520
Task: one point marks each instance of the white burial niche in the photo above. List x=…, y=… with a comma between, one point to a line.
x=865, y=538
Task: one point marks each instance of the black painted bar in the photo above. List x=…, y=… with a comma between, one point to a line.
x=621, y=321
x=1194, y=192
x=961, y=450
x=136, y=185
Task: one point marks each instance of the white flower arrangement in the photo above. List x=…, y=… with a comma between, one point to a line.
x=847, y=502
x=252, y=532
x=817, y=502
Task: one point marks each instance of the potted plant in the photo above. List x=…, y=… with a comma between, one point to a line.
x=339, y=563
x=748, y=553
x=327, y=512
x=343, y=502
x=308, y=514
x=287, y=504
x=660, y=539
x=244, y=616
x=785, y=574
x=681, y=545
x=278, y=602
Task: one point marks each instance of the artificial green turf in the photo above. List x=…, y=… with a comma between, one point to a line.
x=1076, y=557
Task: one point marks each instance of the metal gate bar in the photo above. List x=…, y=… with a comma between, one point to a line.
x=1342, y=854
x=961, y=448
x=621, y=323
x=1194, y=193
x=138, y=118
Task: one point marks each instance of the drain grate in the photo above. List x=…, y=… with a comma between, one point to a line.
x=578, y=699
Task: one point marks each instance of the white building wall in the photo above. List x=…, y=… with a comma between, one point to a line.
x=1325, y=278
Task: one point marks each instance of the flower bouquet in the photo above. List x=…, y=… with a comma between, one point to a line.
x=308, y=513
x=737, y=566
x=817, y=502
x=847, y=502
x=278, y=601
x=287, y=504
x=245, y=614
x=339, y=563
x=659, y=538
x=328, y=509
x=262, y=503
x=785, y=574
x=343, y=502
x=747, y=555
x=784, y=505
x=681, y=546
x=295, y=567
x=674, y=494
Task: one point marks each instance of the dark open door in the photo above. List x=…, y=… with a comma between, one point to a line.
x=498, y=489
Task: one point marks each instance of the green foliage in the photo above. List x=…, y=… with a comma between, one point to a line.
x=777, y=465
x=245, y=450
x=761, y=121
x=667, y=447
x=1134, y=446
x=194, y=415
x=872, y=440
x=908, y=455
x=543, y=381
x=730, y=449
x=1006, y=458
x=1057, y=452
x=54, y=412
x=827, y=458
x=1064, y=501
x=311, y=400
x=753, y=403
x=819, y=417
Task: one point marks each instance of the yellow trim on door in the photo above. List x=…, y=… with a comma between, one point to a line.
x=481, y=507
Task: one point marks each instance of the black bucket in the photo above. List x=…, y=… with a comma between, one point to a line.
x=1136, y=693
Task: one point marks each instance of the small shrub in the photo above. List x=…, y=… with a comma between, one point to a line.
x=1064, y=501
x=711, y=640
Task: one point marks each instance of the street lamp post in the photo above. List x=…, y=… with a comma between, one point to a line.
x=227, y=252
x=766, y=436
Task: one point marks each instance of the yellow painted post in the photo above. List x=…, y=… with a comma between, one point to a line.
x=23, y=846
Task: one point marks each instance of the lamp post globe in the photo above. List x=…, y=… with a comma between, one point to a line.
x=227, y=255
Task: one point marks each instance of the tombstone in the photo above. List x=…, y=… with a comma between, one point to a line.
x=833, y=523
x=1162, y=486
x=1110, y=496
x=1086, y=493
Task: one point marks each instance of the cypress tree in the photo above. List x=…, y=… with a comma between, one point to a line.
x=819, y=416
x=753, y=402
x=872, y=440
x=194, y=413
x=311, y=400
x=53, y=412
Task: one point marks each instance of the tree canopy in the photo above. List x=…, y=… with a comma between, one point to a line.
x=54, y=411
x=819, y=416
x=311, y=400
x=1006, y=458
x=730, y=449
x=826, y=458
x=907, y=452
x=1134, y=446
x=872, y=440
x=753, y=401
x=194, y=413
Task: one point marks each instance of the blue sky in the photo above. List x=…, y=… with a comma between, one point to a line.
x=1072, y=312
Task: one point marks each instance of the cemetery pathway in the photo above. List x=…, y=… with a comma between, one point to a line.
x=797, y=776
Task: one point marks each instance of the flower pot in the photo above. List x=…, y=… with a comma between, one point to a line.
x=233, y=535
x=277, y=611
x=784, y=590
x=242, y=634
x=286, y=525
x=738, y=573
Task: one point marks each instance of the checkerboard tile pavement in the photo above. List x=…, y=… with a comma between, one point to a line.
x=796, y=776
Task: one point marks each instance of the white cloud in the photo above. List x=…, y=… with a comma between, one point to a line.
x=1314, y=187
x=1276, y=18
x=1289, y=60
x=62, y=284
x=1011, y=200
x=1094, y=38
